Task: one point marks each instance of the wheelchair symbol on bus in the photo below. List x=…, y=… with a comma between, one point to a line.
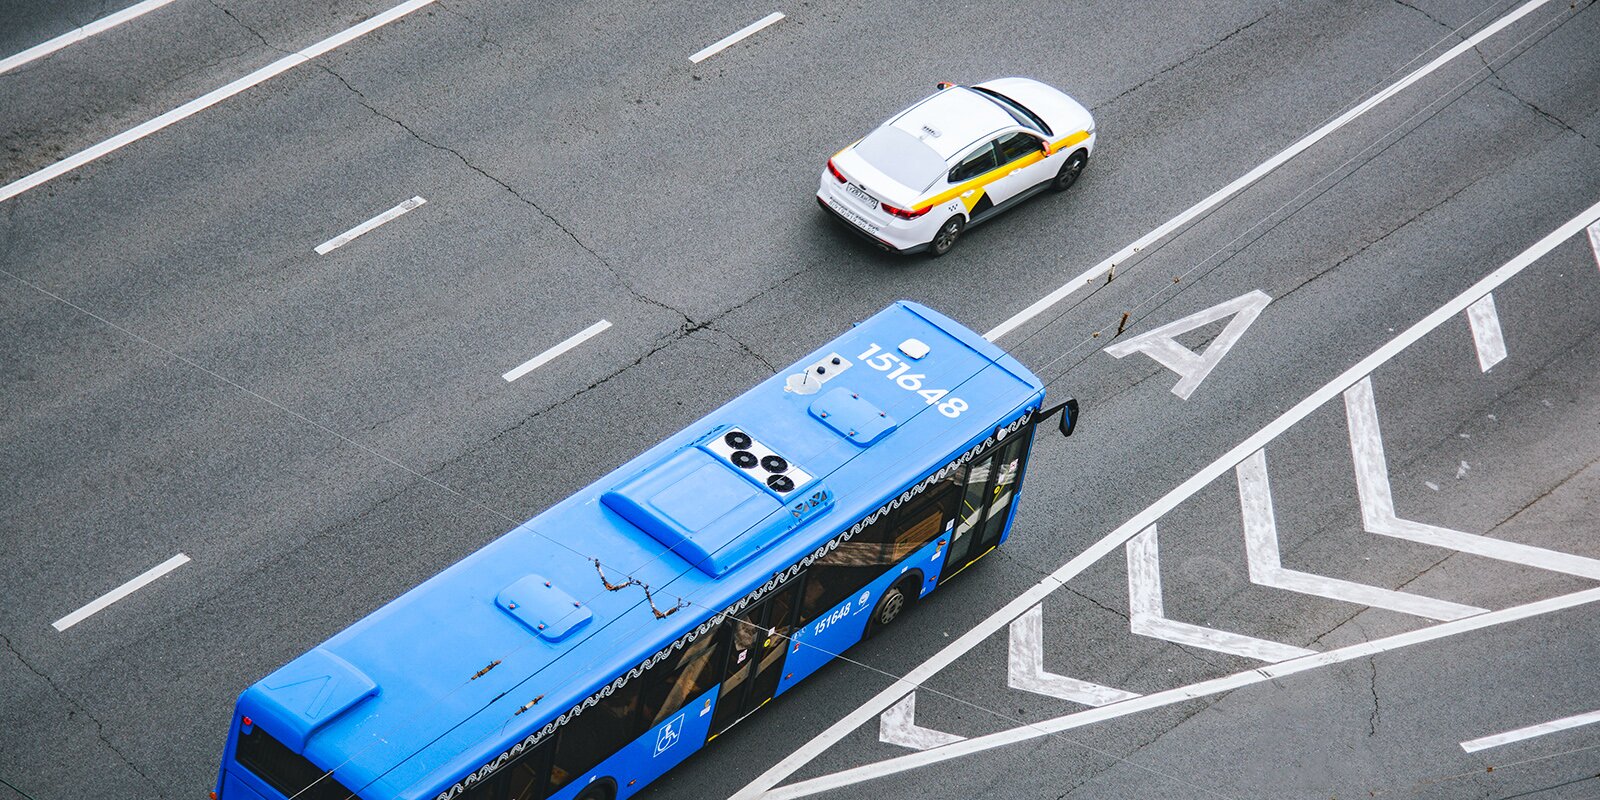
x=669, y=735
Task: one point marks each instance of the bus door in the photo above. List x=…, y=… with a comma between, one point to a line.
x=985, y=505
x=759, y=640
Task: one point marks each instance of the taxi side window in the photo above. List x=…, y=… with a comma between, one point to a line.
x=1016, y=146
x=974, y=165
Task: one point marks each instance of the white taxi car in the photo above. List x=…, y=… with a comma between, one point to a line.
x=956, y=159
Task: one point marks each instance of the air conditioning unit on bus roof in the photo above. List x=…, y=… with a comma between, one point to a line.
x=721, y=500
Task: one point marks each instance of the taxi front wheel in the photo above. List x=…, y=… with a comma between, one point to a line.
x=946, y=238
x=1070, y=171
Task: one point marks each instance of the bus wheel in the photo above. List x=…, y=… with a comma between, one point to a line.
x=603, y=789
x=895, y=602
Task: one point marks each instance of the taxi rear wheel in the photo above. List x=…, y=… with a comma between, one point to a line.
x=946, y=238
x=1070, y=171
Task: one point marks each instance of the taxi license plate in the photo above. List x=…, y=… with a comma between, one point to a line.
x=854, y=218
x=861, y=194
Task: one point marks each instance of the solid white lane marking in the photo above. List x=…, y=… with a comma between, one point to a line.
x=1162, y=345
x=120, y=592
x=1025, y=667
x=1486, y=335
x=1594, y=242
x=544, y=358
x=1574, y=721
x=79, y=34
x=1226, y=683
x=1002, y=617
x=344, y=238
x=898, y=726
x=1266, y=565
x=735, y=37
x=1377, y=501
x=205, y=101
x=1254, y=175
x=1147, y=617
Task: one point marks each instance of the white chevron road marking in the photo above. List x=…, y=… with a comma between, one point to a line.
x=1266, y=567
x=1377, y=501
x=1147, y=617
x=1025, y=667
x=898, y=726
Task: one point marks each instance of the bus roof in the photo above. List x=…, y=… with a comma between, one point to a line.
x=392, y=700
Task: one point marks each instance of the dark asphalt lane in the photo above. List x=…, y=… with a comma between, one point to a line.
x=578, y=168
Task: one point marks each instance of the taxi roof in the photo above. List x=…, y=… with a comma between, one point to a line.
x=953, y=118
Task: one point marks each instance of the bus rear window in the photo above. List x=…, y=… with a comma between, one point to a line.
x=285, y=770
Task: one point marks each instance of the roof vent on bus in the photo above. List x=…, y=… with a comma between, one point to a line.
x=543, y=607
x=852, y=417
x=721, y=500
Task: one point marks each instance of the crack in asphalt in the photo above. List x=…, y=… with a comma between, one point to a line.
x=1501, y=84
x=241, y=23
x=100, y=729
x=483, y=30
x=1372, y=719
x=742, y=346
x=1214, y=45
x=616, y=274
x=1431, y=18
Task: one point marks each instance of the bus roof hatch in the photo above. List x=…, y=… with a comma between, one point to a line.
x=720, y=501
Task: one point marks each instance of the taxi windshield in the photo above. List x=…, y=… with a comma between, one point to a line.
x=902, y=157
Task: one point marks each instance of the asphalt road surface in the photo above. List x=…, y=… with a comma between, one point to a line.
x=182, y=372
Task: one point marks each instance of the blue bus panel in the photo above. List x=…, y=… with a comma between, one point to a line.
x=594, y=646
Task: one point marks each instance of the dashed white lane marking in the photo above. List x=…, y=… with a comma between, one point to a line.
x=1574, y=721
x=1486, y=335
x=544, y=358
x=1025, y=667
x=1266, y=566
x=76, y=35
x=1146, y=616
x=1594, y=242
x=762, y=785
x=1172, y=696
x=898, y=726
x=1161, y=344
x=1266, y=167
x=120, y=592
x=734, y=38
x=1377, y=501
x=203, y=102
x=345, y=238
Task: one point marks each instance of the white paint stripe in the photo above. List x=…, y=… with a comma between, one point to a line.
x=1574, y=721
x=1594, y=241
x=203, y=102
x=1147, y=617
x=544, y=358
x=1254, y=175
x=1266, y=565
x=1144, y=519
x=120, y=592
x=1025, y=667
x=734, y=38
x=344, y=238
x=898, y=726
x=1172, y=696
x=1486, y=335
x=1377, y=501
x=76, y=35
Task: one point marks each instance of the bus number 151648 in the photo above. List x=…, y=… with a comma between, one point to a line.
x=912, y=382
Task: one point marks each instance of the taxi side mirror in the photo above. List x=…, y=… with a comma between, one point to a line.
x=943, y=85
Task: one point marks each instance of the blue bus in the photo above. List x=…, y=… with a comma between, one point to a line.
x=592, y=648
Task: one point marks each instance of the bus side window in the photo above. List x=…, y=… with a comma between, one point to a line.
x=595, y=734
x=523, y=779
x=679, y=679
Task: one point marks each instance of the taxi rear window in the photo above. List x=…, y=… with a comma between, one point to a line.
x=902, y=157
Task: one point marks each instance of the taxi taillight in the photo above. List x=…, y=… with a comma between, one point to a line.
x=835, y=170
x=904, y=214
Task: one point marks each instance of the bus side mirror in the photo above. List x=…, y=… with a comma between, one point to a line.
x=1069, y=416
